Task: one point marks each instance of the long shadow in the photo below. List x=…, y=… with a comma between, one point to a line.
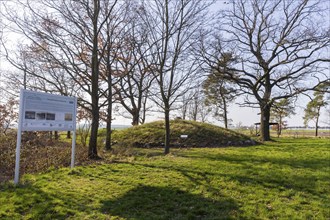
x=150, y=202
x=28, y=201
x=294, y=162
x=258, y=176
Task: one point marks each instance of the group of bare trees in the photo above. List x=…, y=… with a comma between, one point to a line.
x=133, y=53
x=279, y=49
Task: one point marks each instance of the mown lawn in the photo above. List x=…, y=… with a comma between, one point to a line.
x=286, y=179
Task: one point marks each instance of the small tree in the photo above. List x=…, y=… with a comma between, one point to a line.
x=218, y=91
x=281, y=110
x=313, y=109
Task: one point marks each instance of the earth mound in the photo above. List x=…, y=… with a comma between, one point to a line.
x=183, y=134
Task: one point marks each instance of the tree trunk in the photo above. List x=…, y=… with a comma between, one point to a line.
x=92, y=147
x=109, y=113
x=225, y=112
x=317, y=122
x=195, y=111
x=143, y=118
x=109, y=116
x=184, y=112
x=144, y=111
x=136, y=117
x=68, y=134
x=280, y=126
x=264, y=123
x=225, y=119
x=56, y=135
x=109, y=110
x=109, y=121
x=167, y=131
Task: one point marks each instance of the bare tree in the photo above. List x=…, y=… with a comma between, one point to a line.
x=172, y=25
x=185, y=99
x=192, y=106
x=135, y=78
x=111, y=44
x=279, y=50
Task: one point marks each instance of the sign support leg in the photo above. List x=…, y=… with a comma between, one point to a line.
x=18, y=153
x=73, y=150
x=18, y=141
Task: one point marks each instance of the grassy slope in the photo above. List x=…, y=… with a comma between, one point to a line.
x=199, y=135
x=289, y=179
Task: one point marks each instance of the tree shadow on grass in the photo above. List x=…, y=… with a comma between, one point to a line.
x=27, y=200
x=32, y=202
x=262, y=176
x=150, y=202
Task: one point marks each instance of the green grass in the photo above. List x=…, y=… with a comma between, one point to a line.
x=285, y=179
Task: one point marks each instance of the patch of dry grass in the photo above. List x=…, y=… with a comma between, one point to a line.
x=38, y=153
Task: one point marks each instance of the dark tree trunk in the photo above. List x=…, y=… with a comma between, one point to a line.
x=68, y=134
x=109, y=121
x=225, y=118
x=56, y=135
x=167, y=131
x=108, y=137
x=184, y=112
x=264, y=123
x=225, y=112
x=109, y=113
x=92, y=147
x=136, y=117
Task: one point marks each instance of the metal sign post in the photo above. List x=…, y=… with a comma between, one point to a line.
x=18, y=142
x=45, y=112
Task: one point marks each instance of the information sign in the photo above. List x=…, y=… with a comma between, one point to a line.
x=45, y=112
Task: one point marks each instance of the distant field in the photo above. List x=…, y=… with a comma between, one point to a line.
x=285, y=179
x=305, y=133
x=296, y=133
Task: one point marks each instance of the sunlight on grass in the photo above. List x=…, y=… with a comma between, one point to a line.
x=286, y=179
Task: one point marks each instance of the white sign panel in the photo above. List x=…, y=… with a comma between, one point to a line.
x=47, y=112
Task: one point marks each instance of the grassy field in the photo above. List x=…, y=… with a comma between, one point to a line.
x=285, y=179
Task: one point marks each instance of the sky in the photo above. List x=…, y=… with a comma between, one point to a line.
x=244, y=116
x=239, y=115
